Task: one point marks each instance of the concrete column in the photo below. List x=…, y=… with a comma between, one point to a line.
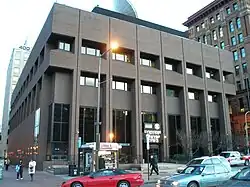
x=186, y=118
x=206, y=123
x=138, y=117
x=225, y=123
x=164, y=113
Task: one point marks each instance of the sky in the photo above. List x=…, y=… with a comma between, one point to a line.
x=23, y=19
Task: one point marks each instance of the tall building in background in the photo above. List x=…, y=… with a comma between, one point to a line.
x=226, y=24
x=18, y=60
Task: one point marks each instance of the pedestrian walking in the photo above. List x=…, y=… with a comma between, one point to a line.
x=19, y=170
x=154, y=165
x=7, y=163
x=32, y=169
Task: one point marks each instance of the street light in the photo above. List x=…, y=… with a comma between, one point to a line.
x=113, y=46
x=246, y=131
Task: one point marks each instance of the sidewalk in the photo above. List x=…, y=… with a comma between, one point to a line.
x=41, y=179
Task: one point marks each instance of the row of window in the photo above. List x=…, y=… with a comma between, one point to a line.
x=242, y=53
x=218, y=17
x=238, y=25
x=239, y=85
x=234, y=40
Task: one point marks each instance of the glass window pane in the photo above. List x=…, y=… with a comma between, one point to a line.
x=56, y=131
x=120, y=85
x=15, y=79
x=91, y=51
x=190, y=95
x=208, y=75
x=18, y=55
x=120, y=57
x=113, y=84
x=145, y=62
x=61, y=45
x=65, y=113
x=57, y=113
x=169, y=67
x=126, y=86
x=190, y=71
x=147, y=89
x=82, y=81
x=210, y=98
x=90, y=81
x=98, y=53
x=83, y=50
x=16, y=71
x=67, y=47
x=17, y=62
x=65, y=132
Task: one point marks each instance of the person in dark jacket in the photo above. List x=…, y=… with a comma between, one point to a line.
x=154, y=165
x=19, y=170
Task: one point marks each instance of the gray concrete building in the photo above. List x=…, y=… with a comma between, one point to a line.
x=18, y=59
x=226, y=24
x=157, y=82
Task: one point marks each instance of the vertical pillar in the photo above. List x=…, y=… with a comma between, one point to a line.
x=186, y=118
x=206, y=123
x=163, y=103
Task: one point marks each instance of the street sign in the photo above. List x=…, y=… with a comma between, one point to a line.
x=79, y=142
x=147, y=139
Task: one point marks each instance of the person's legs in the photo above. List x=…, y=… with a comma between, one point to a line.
x=31, y=177
x=17, y=175
x=7, y=167
x=21, y=175
x=151, y=170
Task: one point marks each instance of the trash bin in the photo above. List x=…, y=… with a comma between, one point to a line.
x=73, y=170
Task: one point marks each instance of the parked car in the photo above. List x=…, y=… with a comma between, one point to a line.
x=235, y=158
x=207, y=160
x=106, y=178
x=241, y=179
x=198, y=175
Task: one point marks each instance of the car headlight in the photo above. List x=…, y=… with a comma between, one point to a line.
x=175, y=183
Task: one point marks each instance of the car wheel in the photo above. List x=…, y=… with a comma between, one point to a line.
x=247, y=163
x=193, y=184
x=76, y=184
x=123, y=184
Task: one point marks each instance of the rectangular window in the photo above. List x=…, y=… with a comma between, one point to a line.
x=169, y=67
x=235, y=6
x=244, y=67
x=193, y=96
x=189, y=71
x=197, y=28
x=116, y=85
x=172, y=93
x=237, y=70
x=205, y=39
x=90, y=51
x=18, y=55
x=16, y=71
x=222, y=45
x=228, y=11
x=243, y=52
x=238, y=85
x=120, y=57
x=214, y=35
x=203, y=25
x=210, y=98
x=64, y=46
x=240, y=37
x=17, y=62
x=238, y=23
x=218, y=16
x=236, y=56
x=211, y=20
x=146, y=62
x=15, y=79
x=231, y=26
x=233, y=40
x=88, y=81
x=221, y=31
x=241, y=103
x=147, y=89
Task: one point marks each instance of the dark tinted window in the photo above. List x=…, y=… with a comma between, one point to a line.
x=195, y=161
x=103, y=173
x=244, y=174
x=226, y=155
x=196, y=170
x=121, y=172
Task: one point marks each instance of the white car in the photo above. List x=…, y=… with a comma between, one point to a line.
x=207, y=160
x=233, y=157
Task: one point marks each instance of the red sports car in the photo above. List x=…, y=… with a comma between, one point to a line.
x=107, y=178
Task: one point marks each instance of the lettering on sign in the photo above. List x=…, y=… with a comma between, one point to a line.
x=24, y=48
x=154, y=132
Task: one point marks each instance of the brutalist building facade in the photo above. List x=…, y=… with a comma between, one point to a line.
x=157, y=82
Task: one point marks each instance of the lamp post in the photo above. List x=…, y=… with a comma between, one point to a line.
x=246, y=131
x=112, y=47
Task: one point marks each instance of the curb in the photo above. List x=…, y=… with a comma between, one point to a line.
x=150, y=182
